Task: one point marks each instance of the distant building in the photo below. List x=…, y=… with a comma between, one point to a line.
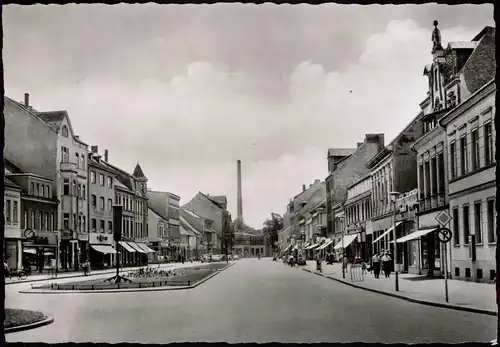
x=158, y=233
x=204, y=227
x=167, y=205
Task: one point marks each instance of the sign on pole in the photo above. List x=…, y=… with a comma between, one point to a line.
x=443, y=218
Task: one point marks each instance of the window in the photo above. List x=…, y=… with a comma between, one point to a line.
x=456, y=227
x=477, y=223
x=101, y=180
x=427, y=171
x=66, y=221
x=475, y=150
x=64, y=131
x=463, y=155
x=466, y=225
x=84, y=223
x=75, y=222
x=42, y=193
x=66, y=186
x=37, y=191
x=434, y=176
x=79, y=223
x=453, y=162
x=101, y=203
x=94, y=225
x=15, y=212
x=84, y=194
x=82, y=162
x=77, y=160
x=41, y=221
x=52, y=221
x=47, y=191
x=110, y=205
x=74, y=188
x=92, y=177
x=79, y=191
x=110, y=182
x=441, y=172
x=110, y=227
x=101, y=226
x=7, y=211
x=47, y=224
x=93, y=201
x=64, y=154
x=488, y=144
x=491, y=220
x=32, y=188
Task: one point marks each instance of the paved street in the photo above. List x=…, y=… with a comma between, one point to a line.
x=253, y=301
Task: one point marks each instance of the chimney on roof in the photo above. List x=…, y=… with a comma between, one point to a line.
x=106, y=155
x=94, y=149
x=303, y=187
x=27, y=100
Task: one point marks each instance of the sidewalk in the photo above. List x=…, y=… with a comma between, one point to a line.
x=73, y=274
x=464, y=296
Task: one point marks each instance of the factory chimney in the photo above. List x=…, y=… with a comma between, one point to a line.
x=240, y=196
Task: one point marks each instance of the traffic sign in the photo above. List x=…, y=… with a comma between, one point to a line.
x=444, y=235
x=443, y=218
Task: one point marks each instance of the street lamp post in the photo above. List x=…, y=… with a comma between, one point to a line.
x=394, y=196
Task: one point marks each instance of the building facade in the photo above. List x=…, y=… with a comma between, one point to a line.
x=97, y=242
x=12, y=245
x=167, y=205
x=471, y=137
x=158, y=234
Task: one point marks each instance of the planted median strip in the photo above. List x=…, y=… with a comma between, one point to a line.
x=20, y=319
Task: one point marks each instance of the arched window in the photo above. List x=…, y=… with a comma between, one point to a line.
x=64, y=131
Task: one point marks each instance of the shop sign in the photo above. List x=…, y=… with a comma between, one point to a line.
x=43, y=238
x=102, y=239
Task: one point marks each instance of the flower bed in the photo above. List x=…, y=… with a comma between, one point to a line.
x=15, y=317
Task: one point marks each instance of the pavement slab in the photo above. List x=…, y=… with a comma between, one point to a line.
x=252, y=301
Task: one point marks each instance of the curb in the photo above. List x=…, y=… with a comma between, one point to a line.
x=46, y=321
x=62, y=278
x=417, y=301
x=125, y=290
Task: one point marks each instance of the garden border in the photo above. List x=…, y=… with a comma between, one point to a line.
x=48, y=320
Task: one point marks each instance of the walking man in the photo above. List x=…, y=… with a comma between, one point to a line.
x=376, y=264
x=386, y=263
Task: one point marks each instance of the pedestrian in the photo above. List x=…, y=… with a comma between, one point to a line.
x=376, y=265
x=6, y=270
x=318, y=262
x=386, y=264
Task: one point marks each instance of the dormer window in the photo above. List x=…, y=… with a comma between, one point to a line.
x=64, y=131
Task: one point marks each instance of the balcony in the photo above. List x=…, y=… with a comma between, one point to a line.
x=68, y=167
x=432, y=201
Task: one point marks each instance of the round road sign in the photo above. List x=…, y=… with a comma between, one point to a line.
x=444, y=235
x=29, y=233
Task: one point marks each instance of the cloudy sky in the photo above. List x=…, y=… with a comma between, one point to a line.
x=188, y=90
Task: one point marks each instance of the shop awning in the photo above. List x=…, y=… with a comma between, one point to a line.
x=307, y=245
x=145, y=248
x=386, y=232
x=326, y=244
x=347, y=241
x=104, y=249
x=286, y=249
x=136, y=247
x=296, y=247
x=313, y=246
x=126, y=246
x=415, y=235
x=33, y=251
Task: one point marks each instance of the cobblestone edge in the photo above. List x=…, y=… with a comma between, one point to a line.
x=417, y=301
x=48, y=320
x=129, y=290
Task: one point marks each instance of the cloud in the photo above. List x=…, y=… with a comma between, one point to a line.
x=188, y=131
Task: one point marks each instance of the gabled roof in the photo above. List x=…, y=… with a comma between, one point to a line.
x=313, y=200
x=215, y=202
x=138, y=173
x=191, y=228
x=221, y=199
x=30, y=111
x=12, y=167
x=340, y=152
x=193, y=219
x=10, y=184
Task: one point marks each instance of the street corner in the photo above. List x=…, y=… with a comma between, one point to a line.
x=21, y=319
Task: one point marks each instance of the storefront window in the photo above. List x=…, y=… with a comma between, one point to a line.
x=412, y=253
x=437, y=257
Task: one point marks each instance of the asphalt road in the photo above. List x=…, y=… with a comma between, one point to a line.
x=252, y=301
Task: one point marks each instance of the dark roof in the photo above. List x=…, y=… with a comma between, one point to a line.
x=54, y=118
x=215, y=202
x=221, y=199
x=138, y=172
x=155, y=210
x=340, y=152
x=480, y=67
x=13, y=168
x=196, y=223
x=9, y=183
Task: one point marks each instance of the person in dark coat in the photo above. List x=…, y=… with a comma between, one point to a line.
x=376, y=265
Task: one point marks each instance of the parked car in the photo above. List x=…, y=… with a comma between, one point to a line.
x=205, y=258
x=236, y=257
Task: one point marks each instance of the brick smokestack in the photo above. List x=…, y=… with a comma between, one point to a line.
x=240, y=194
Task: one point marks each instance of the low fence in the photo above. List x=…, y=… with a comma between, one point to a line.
x=125, y=285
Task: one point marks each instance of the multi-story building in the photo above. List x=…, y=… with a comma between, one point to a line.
x=357, y=211
x=38, y=212
x=315, y=224
x=158, y=233
x=97, y=241
x=131, y=193
x=61, y=159
x=470, y=139
x=393, y=171
x=456, y=72
x=249, y=245
x=191, y=238
x=12, y=246
x=168, y=205
x=215, y=209
x=204, y=227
